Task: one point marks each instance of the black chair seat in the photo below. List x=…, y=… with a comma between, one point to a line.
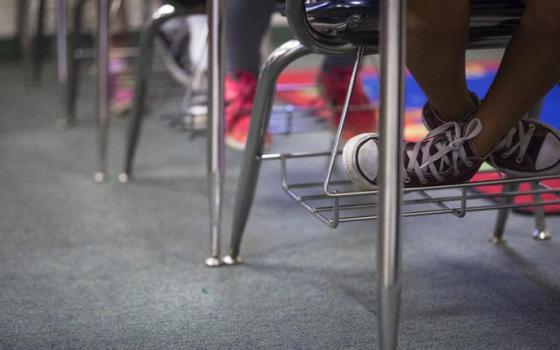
x=356, y=21
x=187, y=3
x=190, y=3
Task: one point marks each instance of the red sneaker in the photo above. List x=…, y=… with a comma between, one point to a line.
x=240, y=88
x=362, y=117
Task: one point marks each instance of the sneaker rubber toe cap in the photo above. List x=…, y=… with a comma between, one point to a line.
x=361, y=160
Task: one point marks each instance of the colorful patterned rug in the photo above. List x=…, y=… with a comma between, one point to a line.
x=522, y=199
x=479, y=77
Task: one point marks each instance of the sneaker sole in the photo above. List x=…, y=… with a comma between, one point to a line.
x=555, y=170
x=350, y=168
x=234, y=144
x=240, y=146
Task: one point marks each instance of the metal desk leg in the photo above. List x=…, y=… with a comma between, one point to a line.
x=25, y=36
x=503, y=215
x=75, y=62
x=260, y=117
x=102, y=88
x=39, y=42
x=390, y=195
x=62, y=61
x=216, y=164
x=21, y=18
x=540, y=233
x=141, y=82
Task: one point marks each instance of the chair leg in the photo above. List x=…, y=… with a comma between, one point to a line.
x=540, y=233
x=103, y=113
x=215, y=131
x=503, y=215
x=39, y=43
x=143, y=72
x=26, y=40
x=74, y=64
x=63, y=68
x=21, y=19
x=392, y=55
x=270, y=71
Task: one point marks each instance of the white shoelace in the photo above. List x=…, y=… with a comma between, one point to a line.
x=522, y=144
x=449, y=151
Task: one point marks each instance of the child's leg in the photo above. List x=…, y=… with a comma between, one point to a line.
x=331, y=63
x=529, y=69
x=333, y=81
x=246, y=24
x=453, y=153
x=437, y=37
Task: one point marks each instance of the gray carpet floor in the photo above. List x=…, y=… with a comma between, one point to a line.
x=88, y=266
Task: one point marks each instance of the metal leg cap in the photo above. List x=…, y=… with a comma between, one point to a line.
x=231, y=260
x=99, y=177
x=541, y=235
x=123, y=178
x=497, y=240
x=213, y=262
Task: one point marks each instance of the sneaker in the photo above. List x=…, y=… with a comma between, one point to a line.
x=240, y=88
x=445, y=156
x=432, y=119
x=530, y=149
x=362, y=116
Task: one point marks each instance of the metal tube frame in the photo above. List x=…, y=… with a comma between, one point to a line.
x=63, y=69
x=21, y=19
x=392, y=56
x=342, y=205
x=270, y=70
x=346, y=107
x=215, y=138
x=39, y=43
x=103, y=112
x=74, y=68
x=25, y=36
x=390, y=193
x=540, y=233
x=142, y=78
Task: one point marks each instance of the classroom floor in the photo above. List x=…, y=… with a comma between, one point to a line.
x=114, y=266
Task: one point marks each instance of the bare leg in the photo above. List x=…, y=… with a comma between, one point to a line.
x=438, y=32
x=438, y=36
x=529, y=69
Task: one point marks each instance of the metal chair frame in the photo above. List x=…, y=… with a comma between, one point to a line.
x=192, y=90
x=390, y=197
x=31, y=44
x=142, y=78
